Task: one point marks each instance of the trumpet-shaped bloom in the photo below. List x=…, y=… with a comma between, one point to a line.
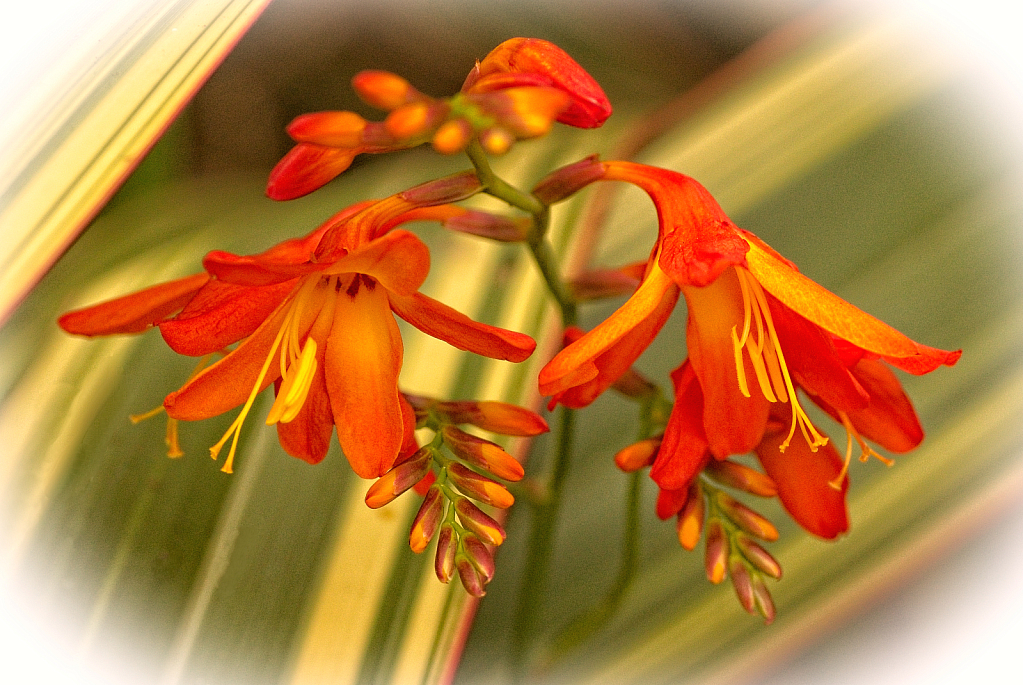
x=314, y=317
x=757, y=329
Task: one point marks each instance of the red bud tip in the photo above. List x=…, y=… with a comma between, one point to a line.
x=759, y=557
x=427, y=519
x=480, y=556
x=470, y=577
x=444, y=562
x=743, y=584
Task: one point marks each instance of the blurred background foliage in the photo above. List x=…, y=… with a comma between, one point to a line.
x=876, y=176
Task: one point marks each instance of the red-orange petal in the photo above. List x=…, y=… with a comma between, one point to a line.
x=398, y=260
x=575, y=365
x=136, y=312
x=363, y=358
x=835, y=315
x=802, y=478
x=734, y=424
x=441, y=321
x=221, y=314
x=890, y=419
x=670, y=502
x=684, y=449
x=305, y=168
x=227, y=383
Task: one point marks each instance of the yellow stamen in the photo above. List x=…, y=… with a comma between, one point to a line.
x=768, y=360
x=295, y=387
x=866, y=451
x=171, y=436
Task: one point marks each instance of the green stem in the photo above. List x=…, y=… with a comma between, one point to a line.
x=538, y=555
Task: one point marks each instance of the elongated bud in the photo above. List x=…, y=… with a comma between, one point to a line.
x=415, y=119
x=427, y=519
x=741, y=477
x=690, y=519
x=759, y=557
x=444, y=562
x=452, y=136
x=384, y=90
x=482, y=453
x=333, y=129
x=601, y=283
x=473, y=518
x=481, y=557
x=496, y=140
x=471, y=579
x=765, y=604
x=492, y=226
x=479, y=487
x=747, y=519
x=448, y=189
x=716, y=554
x=637, y=455
x=743, y=584
x=399, y=479
x=568, y=180
x=634, y=385
x=497, y=417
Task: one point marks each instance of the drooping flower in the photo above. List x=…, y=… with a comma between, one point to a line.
x=518, y=91
x=757, y=328
x=314, y=317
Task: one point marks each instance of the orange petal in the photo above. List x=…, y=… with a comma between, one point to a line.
x=441, y=321
x=227, y=384
x=813, y=362
x=670, y=502
x=305, y=168
x=136, y=312
x=734, y=423
x=684, y=448
x=802, y=478
x=221, y=314
x=614, y=362
x=890, y=419
x=332, y=129
x=835, y=315
x=569, y=367
x=307, y=436
x=398, y=260
x=363, y=358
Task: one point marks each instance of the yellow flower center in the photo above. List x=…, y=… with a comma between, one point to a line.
x=768, y=361
x=297, y=360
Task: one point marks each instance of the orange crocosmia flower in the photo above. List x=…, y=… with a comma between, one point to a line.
x=314, y=317
x=757, y=328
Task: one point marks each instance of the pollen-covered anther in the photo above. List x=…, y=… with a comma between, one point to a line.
x=866, y=451
x=768, y=360
x=295, y=386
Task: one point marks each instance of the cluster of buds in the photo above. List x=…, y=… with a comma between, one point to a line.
x=459, y=472
x=518, y=91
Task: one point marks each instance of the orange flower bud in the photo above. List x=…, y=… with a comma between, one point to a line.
x=716, y=553
x=333, y=129
x=741, y=477
x=444, y=562
x=526, y=112
x=427, y=519
x=497, y=417
x=473, y=518
x=384, y=90
x=743, y=584
x=690, y=519
x=758, y=556
x=399, y=479
x=637, y=455
x=415, y=119
x=452, y=136
x=479, y=487
x=747, y=519
x=482, y=453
